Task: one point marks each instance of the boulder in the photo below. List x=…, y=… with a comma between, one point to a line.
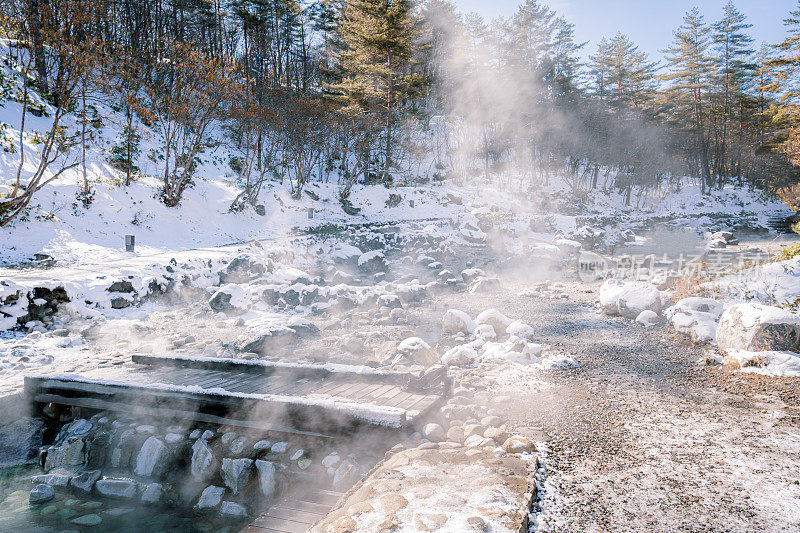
x=462, y=355
x=518, y=444
x=266, y=342
x=124, y=489
x=471, y=274
x=696, y=317
x=243, y=269
x=20, y=441
x=85, y=481
x=455, y=321
x=483, y=285
x=152, y=459
x=372, y=262
x=41, y=493
x=266, y=477
x=70, y=453
x=496, y=319
x=210, y=498
x=629, y=298
x=233, y=510
x=236, y=473
x=153, y=494
x=418, y=351
x=758, y=328
x=521, y=329
x=433, y=432
x=202, y=460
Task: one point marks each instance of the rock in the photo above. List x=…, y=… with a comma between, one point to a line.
x=485, y=332
x=227, y=438
x=647, y=318
x=279, y=447
x=473, y=429
x=41, y=493
x=518, y=444
x=262, y=445
x=496, y=434
x=58, y=477
x=346, y=475
x=121, y=286
x=429, y=521
x=496, y=319
x=266, y=477
x=478, y=524
x=88, y=520
x=116, y=488
x=392, y=301
x=455, y=434
x=243, y=269
x=629, y=298
x=210, y=498
x=484, y=285
x=433, y=432
x=236, y=473
x=20, y=441
x=455, y=321
x=372, y=262
x=85, y=481
x=758, y=328
x=233, y=510
x=462, y=355
x=70, y=453
x=522, y=330
x=418, y=351
x=238, y=445
x=152, y=458
x=266, y=342
x=153, y=494
x=220, y=301
x=344, y=524
x=471, y=274
x=492, y=421
x=202, y=460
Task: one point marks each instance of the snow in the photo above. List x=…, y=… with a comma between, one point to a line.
x=769, y=363
x=629, y=298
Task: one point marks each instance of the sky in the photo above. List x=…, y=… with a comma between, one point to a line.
x=649, y=23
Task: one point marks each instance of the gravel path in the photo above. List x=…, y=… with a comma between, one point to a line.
x=641, y=437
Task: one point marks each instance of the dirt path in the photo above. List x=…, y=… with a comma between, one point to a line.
x=642, y=438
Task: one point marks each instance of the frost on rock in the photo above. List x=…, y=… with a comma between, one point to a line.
x=494, y=318
x=757, y=328
x=418, y=351
x=455, y=321
x=768, y=363
x=629, y=298
x=696, y=317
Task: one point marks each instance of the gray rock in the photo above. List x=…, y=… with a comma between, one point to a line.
x=152, y=458
x=220, y=301
x=433, y=432
x=41, y=493
x=70, y=453
x=195, y=434
x=266, y=477
x=202, y=460
x=116, y=488
x=85, y=481
x=153, y=494
x=238, y=445
x=20, y=441
x=233, y=510
x=58, y=477
x=227, y=438
x=210, y=498
x=279, y=448
x=236, y=473
x=262, y=445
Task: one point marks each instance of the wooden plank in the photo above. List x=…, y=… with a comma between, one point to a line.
x=398, y=399
x=383, y=389
x=282, y=524
x=304, y=517
x=93, y=403
x=365, y=394
x=305, y=506
x=353, y=391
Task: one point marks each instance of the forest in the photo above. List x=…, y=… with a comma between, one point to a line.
x=372, y=91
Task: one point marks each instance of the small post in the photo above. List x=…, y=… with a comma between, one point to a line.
x=411, y=203
x=130, y=242
x=310, y=212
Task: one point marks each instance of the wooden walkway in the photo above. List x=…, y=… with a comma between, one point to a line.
x=295, y=513
x=314, y=400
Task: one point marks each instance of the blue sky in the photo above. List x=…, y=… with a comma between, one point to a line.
x=649, y=23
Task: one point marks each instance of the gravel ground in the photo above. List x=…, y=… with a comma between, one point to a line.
x=641, y=437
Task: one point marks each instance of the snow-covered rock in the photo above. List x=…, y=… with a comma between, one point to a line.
x=494, y=318
x=696, y=317
x=418, y=351
x=463, y=355
x=647, y=318
x=372, y=262
x=629, y=298
x=770, y=363
x=455, y=321
x=520, y=329
x=758, y=328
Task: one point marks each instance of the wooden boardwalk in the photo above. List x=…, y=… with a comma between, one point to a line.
x=296, y=512
x=307, y=399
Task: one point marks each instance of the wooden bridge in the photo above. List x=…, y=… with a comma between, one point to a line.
x=316, y=400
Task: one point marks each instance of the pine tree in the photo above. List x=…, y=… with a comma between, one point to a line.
x=784, y=67
x=690, y=72
x=734, y=72
x=378, y=38
x=623, y=76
